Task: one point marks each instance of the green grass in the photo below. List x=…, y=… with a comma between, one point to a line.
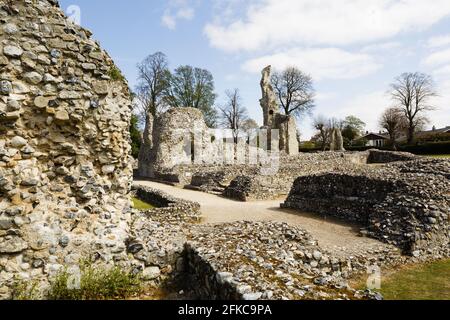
x=419, y=282
x=439, y=156
x=141, y=205
x=115, y=74
x=92, y=282
x=96, y=284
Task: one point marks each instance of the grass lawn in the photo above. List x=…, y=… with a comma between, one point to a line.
x=141, y=205
x=419, y=282
x=439, y=156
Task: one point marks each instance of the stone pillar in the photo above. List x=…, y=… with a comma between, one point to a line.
x=337, y=141
x=269, y=100
x=145, y=152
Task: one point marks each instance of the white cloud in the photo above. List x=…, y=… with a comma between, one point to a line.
x=325, y=63
x=272, y=23
x=368, y=107
x=439, y=41
x=177, y=10
x=443, y=71
x=169, y=21
x=438, y=58
x=382, y=47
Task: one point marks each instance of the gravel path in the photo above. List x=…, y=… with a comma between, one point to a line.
x=339, y=238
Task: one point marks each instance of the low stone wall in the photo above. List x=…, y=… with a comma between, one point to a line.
x=203, y=281
x=380, y=156
x=270, y=261
x=395, y=204
x=246, y=182
x=157, y=236
x=168, y=208
x=248, y=187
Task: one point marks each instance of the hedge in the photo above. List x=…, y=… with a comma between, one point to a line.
x=442, y=147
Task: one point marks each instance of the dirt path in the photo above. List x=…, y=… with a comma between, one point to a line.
x=337, y=237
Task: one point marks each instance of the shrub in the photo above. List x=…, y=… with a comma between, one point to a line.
x=442, y=147
x=115, y=74
x=25, y=290
x=95, y=284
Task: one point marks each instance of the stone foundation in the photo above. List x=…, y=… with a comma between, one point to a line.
x=395, y=204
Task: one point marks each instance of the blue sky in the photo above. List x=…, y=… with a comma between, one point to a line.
x=352, y=48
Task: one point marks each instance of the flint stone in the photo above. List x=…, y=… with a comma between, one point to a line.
x=100, y=87
x=151, y=273
x=62, y=115
x=108, y=169
x=41, y=102
x=18, y=142
x=6, y=224
x=12, y=245
x=33, y=77
x=252, y=296
x=5, y=87
x=12, y=51
x=10, y=28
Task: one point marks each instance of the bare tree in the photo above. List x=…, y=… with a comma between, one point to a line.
x=295, y=91
x=393, y=121
x=412, y=93
x=233, y=115
x=153, y=76
x=324, y=127
x=153, y=80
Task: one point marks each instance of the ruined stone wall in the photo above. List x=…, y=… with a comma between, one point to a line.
x=379, y=156
x=65, y=169
x=394, y=203
x=248, y=185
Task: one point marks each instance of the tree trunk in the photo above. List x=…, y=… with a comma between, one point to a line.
x=410, y=135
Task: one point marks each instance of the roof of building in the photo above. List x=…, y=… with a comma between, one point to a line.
x=374, y=136
x=442, y=130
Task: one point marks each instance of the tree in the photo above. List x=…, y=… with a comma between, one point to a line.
x=136, y=136
x=233, y=114
x=393, y=121
x=153, y=81
x=295, y=91
x=193, y=88
x=352, y=128
x=324, y=127
x=412, y=93
x=249, y=124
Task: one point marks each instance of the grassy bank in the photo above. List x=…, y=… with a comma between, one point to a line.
x=429, y=281
x=439, y=156
x=141, y=205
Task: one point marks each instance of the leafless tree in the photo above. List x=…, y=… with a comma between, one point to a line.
x=393, y=121
x=324, y=127
x=412, y=92
x=233, y=115
x=153, y=76
x=295, y=91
